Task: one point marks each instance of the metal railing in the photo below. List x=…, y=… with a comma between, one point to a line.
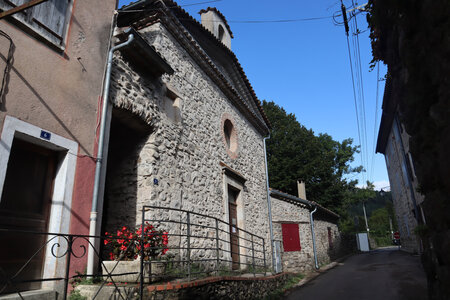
x=202, y=245
x=198, y=246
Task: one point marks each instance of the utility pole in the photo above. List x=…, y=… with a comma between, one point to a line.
x=365, y=216
x=390, y=226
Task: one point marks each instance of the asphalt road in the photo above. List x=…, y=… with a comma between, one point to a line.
x=380, y=274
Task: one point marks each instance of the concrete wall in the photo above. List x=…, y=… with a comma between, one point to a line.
x=58, y=91
x=184, y=153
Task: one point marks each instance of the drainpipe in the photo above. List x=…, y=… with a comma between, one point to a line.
x=314, y=237
x=269, y=204
x=99, y=161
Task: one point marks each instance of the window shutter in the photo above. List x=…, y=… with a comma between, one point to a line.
x=291, y=237
x=50, y=18
x=9, y=4
x=47, y=18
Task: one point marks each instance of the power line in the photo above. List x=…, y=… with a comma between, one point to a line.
x=191, y=4
x=375, y=126
x=357, y=87
x=361, y=92
x=198, y=3
x=235, y=21
x=281, y=20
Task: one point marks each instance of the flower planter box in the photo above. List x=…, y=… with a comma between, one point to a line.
x=124, y=267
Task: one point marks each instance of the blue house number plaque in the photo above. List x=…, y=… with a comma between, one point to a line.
x=46, y=135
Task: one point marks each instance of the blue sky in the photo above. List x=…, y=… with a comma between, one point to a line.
x=304, y=67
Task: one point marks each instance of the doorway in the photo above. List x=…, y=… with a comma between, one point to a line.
x=128, y=136
x=25, y=205
x=234, y=230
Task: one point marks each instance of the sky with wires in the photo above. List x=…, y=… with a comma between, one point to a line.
x=296, y=53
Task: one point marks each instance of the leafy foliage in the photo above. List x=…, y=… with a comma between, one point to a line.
x=296, y=153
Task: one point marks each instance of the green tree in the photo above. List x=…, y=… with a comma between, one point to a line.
x=296, y=153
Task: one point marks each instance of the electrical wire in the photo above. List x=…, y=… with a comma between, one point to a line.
x=191, y=4
x=235, y=21
x=354, y=96
x=375, y=126
x=355, y=71
x=362, y=110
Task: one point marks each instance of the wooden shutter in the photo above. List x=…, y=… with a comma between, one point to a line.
x=291, y=237
x=9, y=4
x=48, y=18
x=330, y=238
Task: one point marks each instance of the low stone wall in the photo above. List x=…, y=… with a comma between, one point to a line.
x=224, y=287
x=219, y=288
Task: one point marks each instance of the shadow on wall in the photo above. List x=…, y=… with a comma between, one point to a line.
x=345, y=245
x=128, y=136
x=9, y=61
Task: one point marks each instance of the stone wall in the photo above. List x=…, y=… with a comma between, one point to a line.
x=302, y=261
x=184, y=153
x=326, y=251
x=416, y=54
x=401, y=192
x=222, y=288
x=208, y=288
x=285, y=212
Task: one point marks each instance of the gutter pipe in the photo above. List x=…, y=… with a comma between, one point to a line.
x=314, y=236
x=99, y=160
x=269, y=205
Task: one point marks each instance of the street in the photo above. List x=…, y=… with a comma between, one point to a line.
x=380, y=274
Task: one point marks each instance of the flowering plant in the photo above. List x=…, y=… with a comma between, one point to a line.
x=126, y=245
x=155, y=241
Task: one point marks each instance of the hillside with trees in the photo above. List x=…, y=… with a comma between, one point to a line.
x=296, y=153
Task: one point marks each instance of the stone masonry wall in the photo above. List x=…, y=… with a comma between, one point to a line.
x=303, y=260
x=285, y=212
x=403, y=205
x=326, y=252
x=185, y=148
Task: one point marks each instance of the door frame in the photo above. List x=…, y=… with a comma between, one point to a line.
x=60, y=210
x=236, y=181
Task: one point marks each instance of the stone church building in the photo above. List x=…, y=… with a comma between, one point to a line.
x=186, y=128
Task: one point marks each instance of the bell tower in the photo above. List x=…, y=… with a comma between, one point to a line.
x=213, y=20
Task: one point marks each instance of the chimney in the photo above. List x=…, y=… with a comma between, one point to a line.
x=301, y=189
x=215, y=22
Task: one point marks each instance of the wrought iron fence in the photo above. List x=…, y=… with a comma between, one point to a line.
x=193, y=245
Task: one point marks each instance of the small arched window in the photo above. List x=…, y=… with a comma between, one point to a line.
x=221, y=33
x=229, y=133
